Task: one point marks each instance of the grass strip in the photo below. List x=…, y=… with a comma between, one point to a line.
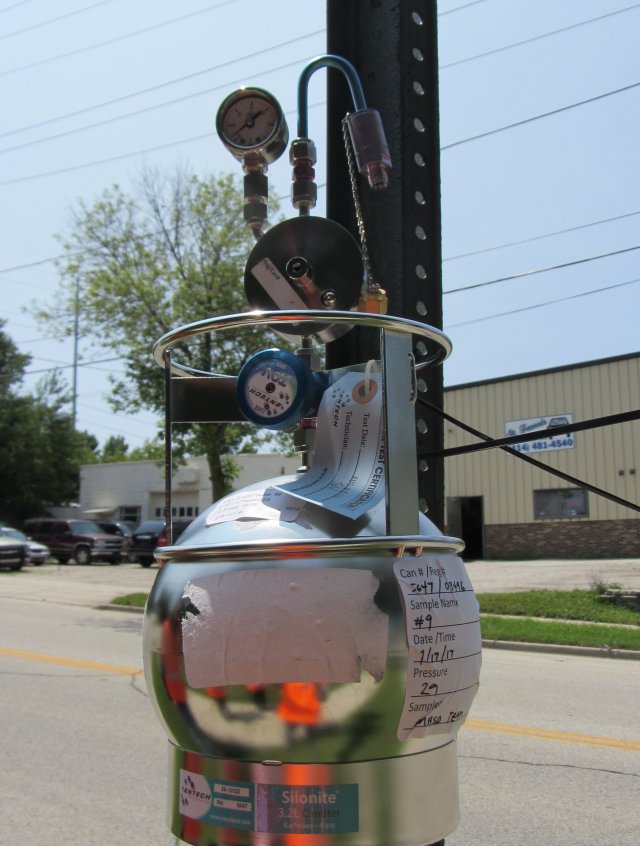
x=135, y=600
x=527, y=630
x=557, y=604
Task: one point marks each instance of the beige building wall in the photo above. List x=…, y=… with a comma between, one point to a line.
x=608, y=457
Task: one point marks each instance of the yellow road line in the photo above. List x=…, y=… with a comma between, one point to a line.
x=551, y=734
x=478, y=725
x=26, y=655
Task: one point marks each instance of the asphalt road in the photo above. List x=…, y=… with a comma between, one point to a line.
x=550, y=754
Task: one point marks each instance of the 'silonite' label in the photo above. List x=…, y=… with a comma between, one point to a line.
x=270, y=808
x=445, y=646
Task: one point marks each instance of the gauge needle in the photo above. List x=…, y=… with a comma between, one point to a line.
x=249, y=122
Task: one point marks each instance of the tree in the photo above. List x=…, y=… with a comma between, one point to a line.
x=40, y=452
x=137, y=265
x=115, y=448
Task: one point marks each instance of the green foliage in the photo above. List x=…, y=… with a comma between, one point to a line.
x=12, y=364
x=557, y=604
x=149, y=451
x=40, y=452
x=115, y=449
x=170, y=252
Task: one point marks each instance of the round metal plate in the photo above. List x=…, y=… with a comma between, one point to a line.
x=329, y=271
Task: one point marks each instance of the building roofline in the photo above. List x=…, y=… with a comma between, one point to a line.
x=531, y=373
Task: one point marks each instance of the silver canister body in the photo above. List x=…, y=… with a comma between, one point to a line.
x=248, y=764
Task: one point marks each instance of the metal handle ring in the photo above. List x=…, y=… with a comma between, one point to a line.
x=441, y=343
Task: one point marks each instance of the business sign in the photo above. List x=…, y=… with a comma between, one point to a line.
x=539, y=424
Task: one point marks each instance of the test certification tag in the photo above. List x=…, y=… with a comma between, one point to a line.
x=445, y=647
x=347, y=475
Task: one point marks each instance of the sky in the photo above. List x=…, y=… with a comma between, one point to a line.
x=539, y=111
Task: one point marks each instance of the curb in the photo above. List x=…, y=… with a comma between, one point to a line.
x=518, y=646
x=131, y=609
x=560, y=649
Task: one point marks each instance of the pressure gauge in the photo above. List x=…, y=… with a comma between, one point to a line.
x=275, y=389
x=251, y=125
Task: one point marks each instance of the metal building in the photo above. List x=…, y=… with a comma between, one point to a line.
x=506, y=509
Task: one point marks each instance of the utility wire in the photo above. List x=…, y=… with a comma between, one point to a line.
x=63, y=366
x=14, y=5
x=460, y=8
x=537, y=37
x=139, y=93
x=70, y=168
x=542, y=305
x=54, y=20
x=489, y=443
x=154, y=149
x=540, y=237
x=114, y=40
x=553, y=112
x=51, y=259
x=539, y=270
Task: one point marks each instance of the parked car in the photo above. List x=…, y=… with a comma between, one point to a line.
x=14, y=554
x=151, y=534
x=38, y=552
x=120, y=529
x=81, y=540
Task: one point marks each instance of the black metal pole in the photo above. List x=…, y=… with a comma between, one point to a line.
x=393, y=46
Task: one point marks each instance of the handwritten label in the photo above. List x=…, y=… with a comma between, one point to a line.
x=445, y=646
x=347, y=475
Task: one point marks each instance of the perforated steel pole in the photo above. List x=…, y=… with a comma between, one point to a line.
x=393, y=46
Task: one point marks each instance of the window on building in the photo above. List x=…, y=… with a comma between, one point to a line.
x=560, y=502
x=130, y=514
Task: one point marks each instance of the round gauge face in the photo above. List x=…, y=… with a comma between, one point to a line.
x=249, y=120
x=270, y=388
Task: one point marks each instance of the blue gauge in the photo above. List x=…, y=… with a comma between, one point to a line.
x=275, y=390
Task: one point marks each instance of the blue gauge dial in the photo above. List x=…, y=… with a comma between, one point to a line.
x=274, y=389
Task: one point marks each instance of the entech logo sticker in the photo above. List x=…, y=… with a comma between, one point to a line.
x=195, y=795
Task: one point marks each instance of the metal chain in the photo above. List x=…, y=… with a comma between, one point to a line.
x=353, y=178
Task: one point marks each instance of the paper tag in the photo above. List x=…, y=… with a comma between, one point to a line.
x=279, y=289
x=347, y=475
x=445, y=646
x=257, y=504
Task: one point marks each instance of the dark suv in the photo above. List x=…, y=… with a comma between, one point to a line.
x=151, y=534
x=81, y=540
x=119, y=529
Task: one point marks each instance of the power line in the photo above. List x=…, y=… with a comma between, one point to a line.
x=70, y=168
x=542, y=305
x=540, y=270
x=536, y=38
x=115, y=39
x=140, y=93
x=539, y=117
x=154, y=149
x=539, y=237
x=460, y=8
x=14, y=5
x=54, y=20
x=64, y=366
x=71, y=253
